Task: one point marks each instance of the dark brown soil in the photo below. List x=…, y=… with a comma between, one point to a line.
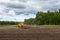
x=34, y=33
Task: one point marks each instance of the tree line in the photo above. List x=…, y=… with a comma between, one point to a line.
x=8, y=23
x=45, y=18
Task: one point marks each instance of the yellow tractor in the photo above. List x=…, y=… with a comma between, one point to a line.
x=22, y=25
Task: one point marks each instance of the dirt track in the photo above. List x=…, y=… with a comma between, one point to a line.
x=35, y=33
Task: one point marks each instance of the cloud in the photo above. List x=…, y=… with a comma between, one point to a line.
x=15, y=8
x=12, y=5
x=11, y=13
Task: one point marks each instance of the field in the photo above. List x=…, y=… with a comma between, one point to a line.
x=42, y=32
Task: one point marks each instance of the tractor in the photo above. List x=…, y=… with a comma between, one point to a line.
x=22, y=25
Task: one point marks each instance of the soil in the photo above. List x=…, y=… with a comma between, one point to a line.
x=33, y=33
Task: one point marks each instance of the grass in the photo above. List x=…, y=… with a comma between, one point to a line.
x=15, y=26
x=50, y=26
x=8, y=27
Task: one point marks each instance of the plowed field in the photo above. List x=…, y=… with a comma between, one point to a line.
x=33, y=33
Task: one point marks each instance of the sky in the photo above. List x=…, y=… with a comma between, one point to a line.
x=18, y=10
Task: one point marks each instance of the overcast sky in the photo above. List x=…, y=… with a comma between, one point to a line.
x=15, y=10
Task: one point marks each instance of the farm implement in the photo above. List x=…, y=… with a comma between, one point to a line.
x=22, y=25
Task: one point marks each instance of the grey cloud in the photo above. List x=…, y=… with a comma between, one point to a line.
x=17, y=6
x=10, y=5
x=18, y=13
x=20, y=0
x=55, y=8
x=28, y=12
x=51, y=8
x=6, y=10
x=23, y=0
